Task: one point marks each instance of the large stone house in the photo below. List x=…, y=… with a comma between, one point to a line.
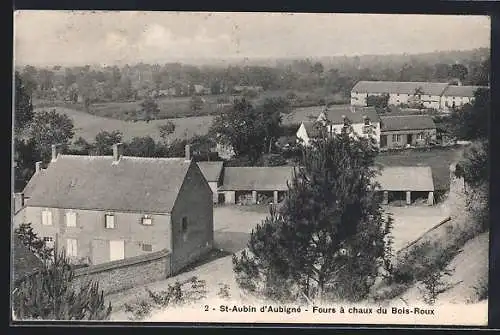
x=439, y=96
x=106, y=208
x=398, y=131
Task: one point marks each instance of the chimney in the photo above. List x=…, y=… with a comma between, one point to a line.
x=38, y=166
x=55, y=152
x=117, y=151
x=187, y=152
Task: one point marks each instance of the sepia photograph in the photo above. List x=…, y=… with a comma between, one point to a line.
x=240, y=167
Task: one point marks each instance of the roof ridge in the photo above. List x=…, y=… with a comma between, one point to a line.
x=124, y=156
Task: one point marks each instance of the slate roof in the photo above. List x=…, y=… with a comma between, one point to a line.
x=25, y=262
x=399, y=87
x=354, y=114
x=273, y=178
x=406, y=178
x=95, y=182
x=461, y=91
x=32, y=183
x=311, y=129
x=211, y=170
x=406, y=122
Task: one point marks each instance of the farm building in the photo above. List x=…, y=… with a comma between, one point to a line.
x=364, y=121
x=406, y=130
x=245, y=184
x=407, y=183
x=457, y=96
x=212, y=171
x=429, y=94
x=307, y=131
x=106, y=208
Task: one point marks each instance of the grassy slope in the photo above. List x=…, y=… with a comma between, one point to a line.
x=88, y=126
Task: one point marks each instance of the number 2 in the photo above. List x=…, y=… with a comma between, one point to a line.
x=206, y=308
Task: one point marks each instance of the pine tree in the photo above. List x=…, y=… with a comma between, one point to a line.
x=50, y=295
x=327, y=241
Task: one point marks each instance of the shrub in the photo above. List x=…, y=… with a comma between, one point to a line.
x=180, y=293
x=50, y=295
x=481, y=289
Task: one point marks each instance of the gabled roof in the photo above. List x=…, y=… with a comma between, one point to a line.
x=211, y=170
x=461, y=91
x=399, y=87
x=354, y=114
x=32, y=183
x=272, y=178
x=25, y=262
x=96, y=182
x=406, y=178
x=406, y=122
x=312, y=129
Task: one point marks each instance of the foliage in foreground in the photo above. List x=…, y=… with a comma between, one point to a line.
x=180, y=293
x=51, y=295
x=328, y=240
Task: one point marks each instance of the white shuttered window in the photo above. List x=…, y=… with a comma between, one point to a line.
x=71, y=247
x=70, y=219
x=46, y=218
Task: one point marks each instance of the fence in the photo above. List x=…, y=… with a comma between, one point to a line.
x=126, y=273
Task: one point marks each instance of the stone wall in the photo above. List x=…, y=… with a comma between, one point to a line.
x=126, y=273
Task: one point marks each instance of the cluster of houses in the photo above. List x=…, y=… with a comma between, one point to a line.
x=389, y=131
x=439, y=96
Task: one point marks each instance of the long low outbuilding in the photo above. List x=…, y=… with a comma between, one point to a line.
x=243, y=184
x=396, y=181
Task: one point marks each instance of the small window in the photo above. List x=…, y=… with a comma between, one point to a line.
x=147, y=220
x=367, y=121
x=70, y=219
x=46, y=218
x=420, y=136
x=184, y=228
x=109, y=221
x=396, y=137
x=71, y=247
x=147, y=247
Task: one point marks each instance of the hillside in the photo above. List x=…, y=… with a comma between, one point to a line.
x=88, y=126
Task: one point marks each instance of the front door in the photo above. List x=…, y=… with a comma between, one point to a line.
x=409, y=139
x=383, y=141
x=116, y=250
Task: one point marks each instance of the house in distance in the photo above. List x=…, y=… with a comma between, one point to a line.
x=107, y=208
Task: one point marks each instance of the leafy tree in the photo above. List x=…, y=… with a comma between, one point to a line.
x=141, y=147
x=25, y=157
x=271, y=110
x=327, y=240
x=50, y=295
x=474, y=165
x=50, y=127
x=241, y=127
x=34, y=243
x=149, y=109
x=459, y=71
x=378, y=101
x=23, y=106
x=104, y=141
x=318, y=69
x=471, y=121
x=166, y=129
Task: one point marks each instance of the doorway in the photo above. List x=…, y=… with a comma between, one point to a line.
x=116, y=250
x=409, y=139
x=383, y=141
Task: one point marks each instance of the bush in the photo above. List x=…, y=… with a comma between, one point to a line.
x=180, y=293
x=50, y=295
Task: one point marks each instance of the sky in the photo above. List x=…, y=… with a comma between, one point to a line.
x=89, y=37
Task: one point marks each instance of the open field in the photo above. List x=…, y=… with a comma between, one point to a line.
x=88, y=126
